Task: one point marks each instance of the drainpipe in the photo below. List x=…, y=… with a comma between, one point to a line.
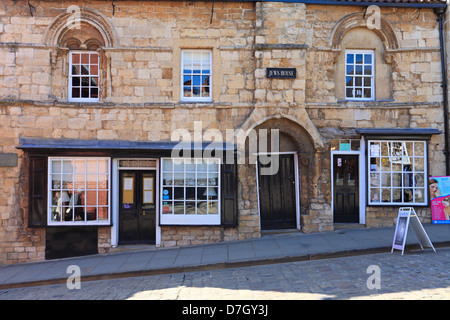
x=440, y=13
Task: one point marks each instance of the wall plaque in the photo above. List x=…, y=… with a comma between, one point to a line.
x=281, y=73
x=8, y=160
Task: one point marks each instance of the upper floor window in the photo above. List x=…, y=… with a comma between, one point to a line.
x=359, y=75
x=84, y=76
x=196, y=75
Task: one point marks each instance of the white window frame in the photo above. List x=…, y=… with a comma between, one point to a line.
x=71, y=99
x=210, y=74
x=372, y=81
x=51, y=222
x=189, y=218
x=375, y=153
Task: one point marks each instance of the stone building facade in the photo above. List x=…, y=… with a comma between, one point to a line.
x=92, y=92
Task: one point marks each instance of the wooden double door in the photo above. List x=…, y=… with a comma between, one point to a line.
x=137, y=206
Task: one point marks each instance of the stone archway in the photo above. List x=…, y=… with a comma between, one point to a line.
x=70, y=20
x=312, y=167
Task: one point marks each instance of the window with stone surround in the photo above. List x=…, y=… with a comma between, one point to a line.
x=190, y=191
x=79, y=190
x=397, y=172
x=359, y=75
x=84, y=75
x=196, y=66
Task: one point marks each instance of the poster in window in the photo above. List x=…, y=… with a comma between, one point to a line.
x=440, y=199
x=148, y=190
x=374, y=150
x=127, y=192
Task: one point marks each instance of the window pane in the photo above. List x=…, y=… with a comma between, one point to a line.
x=213, y=207
x=94, y=81
x=359, y=70
x=367, y=93
x=75, y=92
x=102, y=213
x=94, y=58
x=206, y=92
x=202, y=207
x=358, y=81
x=75, y=70
x=94, y=92
x=167, y=207
x=94, y=70
x=85, y=70
x=103, y=198
x=385, y=179
x=196, y=91
x=76, y=81
x=386, y=195
x=178, y=193
x=178, y=207
x=196, y=80
x=419, y=164
x=375, y=195
x=350, y=58
x=187, y=81
x=75, y=58
x=91, y=213
x=368, y=58
x=349, y=81
x=368, y=70
x=419, y=195
x=419, y=149
x=349, y=93
x=419, y=180
x=397, y=180
x=359, y=58
x=85, y=92
x=397, y=195
x=350, y=70
x=91, y=166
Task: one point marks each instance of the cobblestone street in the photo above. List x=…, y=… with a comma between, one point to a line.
x=415, y=275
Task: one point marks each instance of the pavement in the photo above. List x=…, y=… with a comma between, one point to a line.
x=270, y=248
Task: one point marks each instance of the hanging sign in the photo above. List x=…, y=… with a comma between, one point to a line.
x=406, y=216
x=440, y=199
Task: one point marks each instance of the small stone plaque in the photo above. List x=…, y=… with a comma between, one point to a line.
x=8, y=160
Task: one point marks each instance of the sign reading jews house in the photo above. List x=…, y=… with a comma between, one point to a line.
x=281, y=73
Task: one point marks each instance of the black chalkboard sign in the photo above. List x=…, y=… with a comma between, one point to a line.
x=281, y=73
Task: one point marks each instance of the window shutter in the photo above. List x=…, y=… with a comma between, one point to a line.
x=229, y=195
x=37, y=215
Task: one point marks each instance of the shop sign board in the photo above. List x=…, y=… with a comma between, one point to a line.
x=440, y=199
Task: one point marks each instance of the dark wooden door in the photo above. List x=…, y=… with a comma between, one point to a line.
x=277, y=195
x=346, y=188
x=137, y=211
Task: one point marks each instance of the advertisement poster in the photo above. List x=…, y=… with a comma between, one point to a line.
x=440, y=199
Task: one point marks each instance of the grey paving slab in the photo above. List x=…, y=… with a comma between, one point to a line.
x=240, y=251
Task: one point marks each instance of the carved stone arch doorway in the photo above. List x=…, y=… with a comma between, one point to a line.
x=284, y=174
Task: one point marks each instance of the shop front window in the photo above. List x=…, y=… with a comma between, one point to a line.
x=397, y=172
x=79, y=191
x=190, y=191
